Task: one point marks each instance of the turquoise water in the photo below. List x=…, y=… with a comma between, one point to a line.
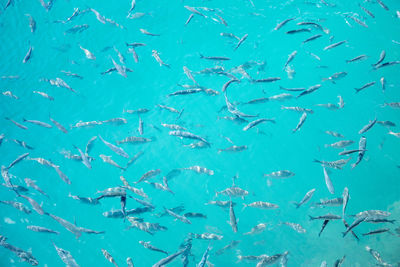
x=373, y=184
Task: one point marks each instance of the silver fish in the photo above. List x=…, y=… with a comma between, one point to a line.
x=306, y=198
x=114, y=148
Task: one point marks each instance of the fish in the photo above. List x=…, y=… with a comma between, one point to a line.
x=18, y=159
x=204, y=258
x=354, y=224
x=358, y=58
x=129, y=262
x=222, y=204
x=214, y=58
x=261, y=205
x=151, y=247
x=233, y=148
x=17, y=124
x=309, y=90
x=79, y=29
x=334, y=45
x=301, y=122
x=200, y=170
x=41, y=229
x=314, y=37
x=241, y=41
x=148, y=175
x=382, y=5
x=324, y=224
x=189, y=135
x=133, y=159
x=305, y=199
x=328, y=181
x=35, y=205
x=140, y=127
x=88, y=54
x=259, y=228
x=114, y=148
x=108, y=160
x=108, y=257
x=335, y=134
x=267, y=80
x=298, y=109
x=295, y=226
x=362, y=144
x=28, y=55
x=290, y=58
x=255, y=123
x=340, y=144
x=298, y=31
x=208, y=236
x=381, y=58
x=134, y=140
x=335, y=76
x=32, y=183
x=368, y=126
x=281, y=24
x=347, y=152
x=225, y=86
x=233, y=191
x=337, y=164
x=58, y=125
x=364, y=86
x=156, y=55
x=66, y=256
x=25, y=256
x=168, y=259
x=328, y=216
x=280, y=174
x=19, y=206
x=378, y=231
x=86, y=200
x=44, y=95
x=367, y=11
x=120, y=69
x=232, y=218
x=84, y=158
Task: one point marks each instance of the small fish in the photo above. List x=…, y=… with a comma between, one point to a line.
x=334, y=45
x=298, y=31
x=301, y=122
x=280, y=174
x=28, y=55
x=368, y=126
x=41, y=229
x=335, y=134
x=232, y=217
x=381, y=58
x=32, y=23
x=261, y=205
x=306, y=198
x=309, y=90
x=378, y=231
x=214, y=58
x=233, y=149
x=314, y=37
x=328, y=181
x=121, y=69
x=66, y=257
x=241, y=41
x=255, y=123
x=114, y=148
x=295, y=226
x=383, y=83
x=354, y=224
x=17, y=124
x=168, y=259
x=32, y=183
x=58, y=125
x=156, y=55
x=88, y=54
x=340, y=144
x=367, y=11
x=362, y=147
x=108, y=257
x=281, y=24
x=358, y=58
x=177, y=216
x=151, y=247
x=364, y=86
x=382, y=5
x=324, y=224
x=44, y=95
x=346, y=197
x=290, y=58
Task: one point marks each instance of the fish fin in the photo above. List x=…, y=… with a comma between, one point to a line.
x=311, y=218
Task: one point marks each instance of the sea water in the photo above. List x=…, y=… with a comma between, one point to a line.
x=373, y=184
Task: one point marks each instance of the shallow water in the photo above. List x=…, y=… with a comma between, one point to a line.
x=373, y=184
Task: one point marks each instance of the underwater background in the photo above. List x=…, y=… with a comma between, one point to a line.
x=374, y=184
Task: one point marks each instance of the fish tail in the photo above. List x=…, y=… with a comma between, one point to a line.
x=344, y=234
x=357, y=90
x=201, y=56
x=297, y=205
x=244, y=206
x=311, y=218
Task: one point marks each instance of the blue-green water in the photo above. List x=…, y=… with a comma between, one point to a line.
x=373, y=184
